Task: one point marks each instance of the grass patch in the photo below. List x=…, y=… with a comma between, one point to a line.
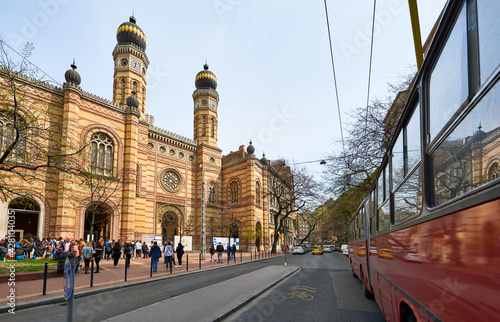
x=28, y=265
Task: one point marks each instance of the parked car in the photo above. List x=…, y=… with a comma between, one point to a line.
x=317, y=250
x=298, y=250
x=345, y=249
x=327, y=248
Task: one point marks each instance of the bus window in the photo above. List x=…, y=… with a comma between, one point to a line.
x=397, y=158
x=384, y=217
x=373, y=213
x=413, y=140
x=489, y=33
x=469, y=156
x=448, y=81
x=408, y=198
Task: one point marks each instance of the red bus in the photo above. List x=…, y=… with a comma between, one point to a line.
x=426, y=241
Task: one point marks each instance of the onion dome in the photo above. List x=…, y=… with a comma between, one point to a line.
x=72, y=75
x=132, y=101
x=130, y=33
x=250, y=148
x=205, y=79
x=479, y=135
x=263, y=160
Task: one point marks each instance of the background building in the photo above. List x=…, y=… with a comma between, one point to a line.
x=139, y=178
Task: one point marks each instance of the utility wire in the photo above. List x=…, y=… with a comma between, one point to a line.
x=3, y=42
x=334, y=78
x=370, y=66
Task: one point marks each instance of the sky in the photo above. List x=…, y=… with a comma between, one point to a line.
x=271, y=58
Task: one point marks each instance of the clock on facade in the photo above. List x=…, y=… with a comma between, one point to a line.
x=135, y=64
x=212, y=104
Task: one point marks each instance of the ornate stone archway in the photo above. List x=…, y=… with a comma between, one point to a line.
x=171, y=221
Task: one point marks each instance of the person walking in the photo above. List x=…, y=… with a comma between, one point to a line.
x=168, y=253
x=98, y=250
x=212, y=252
x=180, y=251
x=155, y=254
x=233, y=252
x=87, y=251
x=228, y=250
x=128, y=254
x=145, y=250
x=116, y=253
x=138, y=249
x=220, y=250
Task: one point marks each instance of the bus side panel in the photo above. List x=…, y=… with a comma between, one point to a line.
x=449, y=266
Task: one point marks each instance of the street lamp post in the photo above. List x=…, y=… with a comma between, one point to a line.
x=202, y=234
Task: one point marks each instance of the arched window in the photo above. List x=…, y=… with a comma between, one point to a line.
x=212, y=126
x=9, y=126
x=211, y=193
x=494, y=172
x=233, y=188
x=123, y=91
x=203, y=125
x=257, y=193
x=134, y=86
x=101, y=155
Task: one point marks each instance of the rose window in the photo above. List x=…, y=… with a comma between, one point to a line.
x=171, y=180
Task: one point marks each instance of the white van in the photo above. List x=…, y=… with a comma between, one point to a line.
x=344, y=249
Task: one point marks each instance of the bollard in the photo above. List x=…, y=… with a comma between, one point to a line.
x=241, y=257
x=151, y=268
x=92, y=273
x=126, y=266
x=187, y=261
x=250, y=255
x=45, y=278
x=200, y=260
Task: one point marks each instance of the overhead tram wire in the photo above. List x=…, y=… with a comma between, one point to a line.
x=334, y=78
x=3, y=42
x=370, y=65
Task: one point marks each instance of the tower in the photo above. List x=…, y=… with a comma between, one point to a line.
x=131, y=64
x=206, y=100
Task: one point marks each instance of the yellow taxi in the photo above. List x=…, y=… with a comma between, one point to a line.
x=317, y=250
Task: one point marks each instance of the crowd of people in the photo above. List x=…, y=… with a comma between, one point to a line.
x=49, y=248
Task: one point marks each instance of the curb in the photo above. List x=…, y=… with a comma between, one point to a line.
x=60, y=299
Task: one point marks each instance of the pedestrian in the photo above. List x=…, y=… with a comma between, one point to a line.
x=127, y=249
x=87, y=251
x=220, y=250
x=98, y=254
x=228, y=250
x=116, y=253
x=212, y=252
x=155, y=254
x=180, y=251
x=138, y=249
x=233, y=252
x=145, y=253
x=168, y=253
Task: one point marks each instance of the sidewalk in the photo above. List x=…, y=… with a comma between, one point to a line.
x=214, y=298
x=29, y=293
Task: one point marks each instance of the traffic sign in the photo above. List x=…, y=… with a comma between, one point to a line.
x=284, y=230
x=68, y=279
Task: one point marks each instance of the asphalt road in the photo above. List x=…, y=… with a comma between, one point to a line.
x=323, y=290
x=112, y=303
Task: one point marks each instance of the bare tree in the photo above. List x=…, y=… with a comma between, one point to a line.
x=370, y=130
x=290, y=192
x=30, y=141
x=101, y=196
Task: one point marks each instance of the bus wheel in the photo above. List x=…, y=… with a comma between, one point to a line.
x=366, y=291
x=408, y=316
